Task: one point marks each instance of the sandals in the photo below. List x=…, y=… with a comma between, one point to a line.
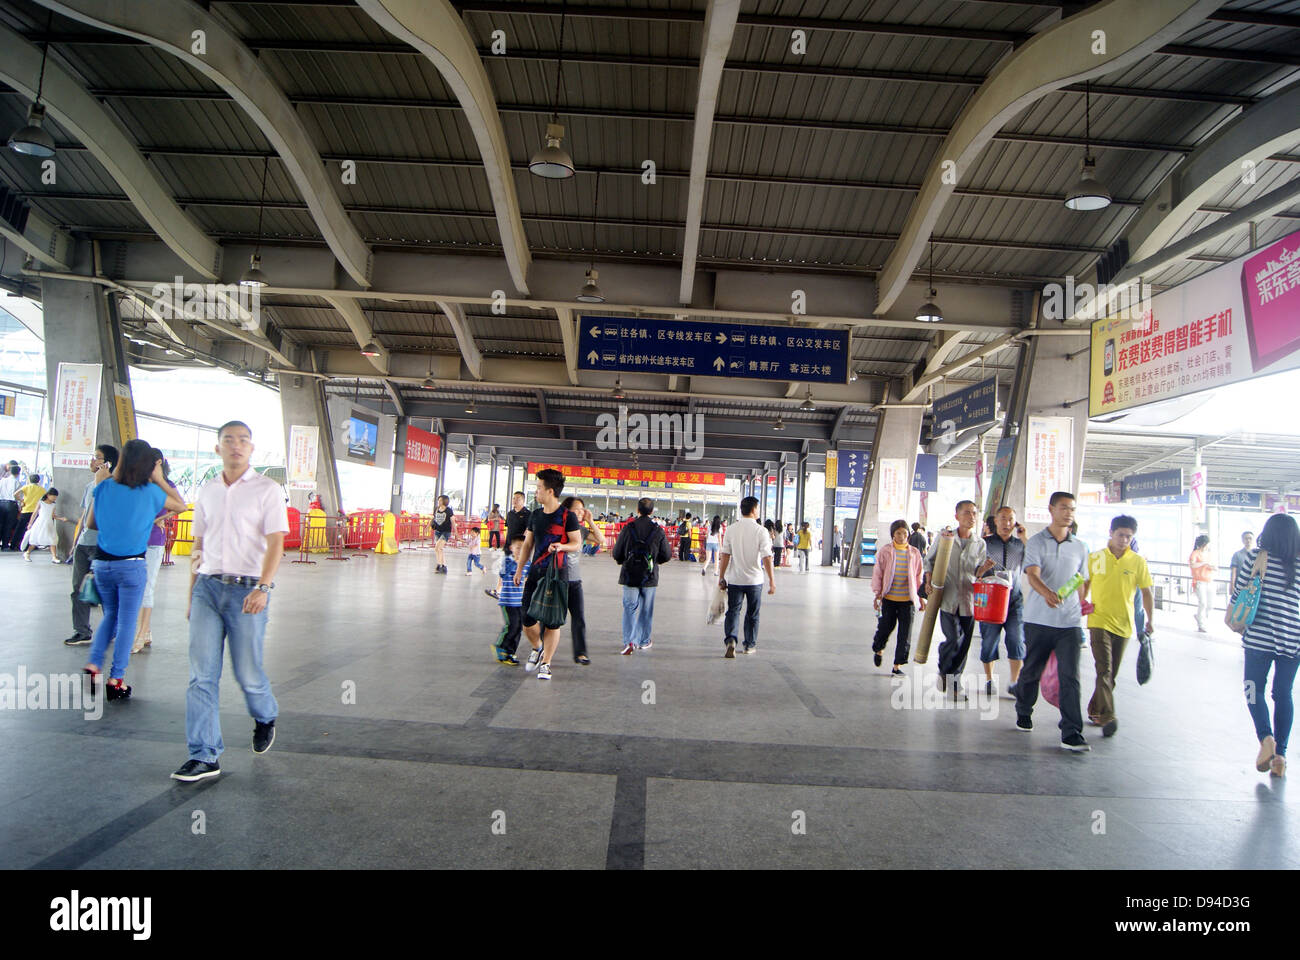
x=584, y=660
x=1267, y=749
x=1277, y=766
x=93, y=673
x=142, y=641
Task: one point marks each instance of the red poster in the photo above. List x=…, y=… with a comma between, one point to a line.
x=423, y=451
x=656, y=476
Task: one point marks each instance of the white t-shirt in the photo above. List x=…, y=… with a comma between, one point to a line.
x=747, y=544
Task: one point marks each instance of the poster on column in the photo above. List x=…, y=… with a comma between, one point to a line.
x=998, y=476
x=423, y=451
x=76, y=413
x=125, y=410
x=1197, y=494
x=832, y=469
x=361, y=436
x=304, y=442
x=1049, y=464
x=1233, y=323
x=894, y=487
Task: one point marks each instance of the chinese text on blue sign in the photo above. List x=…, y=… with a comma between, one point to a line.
x=1162, y=483
x=651, y=345
x=973, y=406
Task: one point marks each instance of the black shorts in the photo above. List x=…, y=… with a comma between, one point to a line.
x=535, y=576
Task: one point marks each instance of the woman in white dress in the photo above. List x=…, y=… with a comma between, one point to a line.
x=42, y=532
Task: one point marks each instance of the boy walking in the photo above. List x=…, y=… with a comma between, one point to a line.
x=1115, y=575
x=510, y=597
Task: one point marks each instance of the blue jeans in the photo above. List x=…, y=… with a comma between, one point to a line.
x=121, y=587
x=752, y=594
x=638, y=614
x=1014, y=629
x=1284, y=671
x=217, y=615
x=472, y=561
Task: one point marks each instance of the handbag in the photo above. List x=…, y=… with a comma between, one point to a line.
x=88, y=592
x=1050, y=683
x=1146, y=658
x=1241, y=612
x=550, y=602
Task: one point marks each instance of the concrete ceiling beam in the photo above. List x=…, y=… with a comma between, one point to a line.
x=173, y=25
x=1061, y=54
x=434, y=28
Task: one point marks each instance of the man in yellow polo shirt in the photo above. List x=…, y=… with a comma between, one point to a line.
x=1115, y=574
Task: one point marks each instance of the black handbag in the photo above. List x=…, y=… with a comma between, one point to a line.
x=550, y=602
x=1146, y=658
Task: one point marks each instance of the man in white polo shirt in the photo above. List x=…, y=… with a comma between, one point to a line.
x=239, y=527
x=747, y=553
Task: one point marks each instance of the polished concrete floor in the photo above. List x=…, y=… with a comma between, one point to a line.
x=804, y=755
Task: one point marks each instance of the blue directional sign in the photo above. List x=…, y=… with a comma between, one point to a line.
x=973, y=406
x=719, y=349
x=1162, y=483
x=852, y=467
x=926, y=476
x=849, y=499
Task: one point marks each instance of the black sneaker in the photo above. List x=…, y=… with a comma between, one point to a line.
x=943, y=683
x=988, y=688
x=897, y=672
x=731, y=651
x=875, y=656
x=1076, y=743
x=1024, y=724
x=493, y=594
x=1109, y=729
x=76, y=640
x=193, y=770
x=263, y=736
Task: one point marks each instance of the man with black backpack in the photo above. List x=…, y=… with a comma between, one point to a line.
x=640, y=549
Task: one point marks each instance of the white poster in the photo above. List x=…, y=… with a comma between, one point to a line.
x=76, y=408
x=1049, y=464
x=895, y=484
x=303, y=443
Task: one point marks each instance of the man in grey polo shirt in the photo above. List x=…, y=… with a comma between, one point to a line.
x=1053, y=622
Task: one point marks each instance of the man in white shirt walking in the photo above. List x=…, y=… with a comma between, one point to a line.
x=239, y=527
x=747, y=553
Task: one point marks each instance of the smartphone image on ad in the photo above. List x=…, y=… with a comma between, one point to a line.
x=1108, y=358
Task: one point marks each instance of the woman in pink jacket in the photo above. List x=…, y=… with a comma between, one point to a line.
x=895, y=582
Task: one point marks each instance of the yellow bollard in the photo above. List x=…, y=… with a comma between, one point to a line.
x=317, y=540
x=388, y=535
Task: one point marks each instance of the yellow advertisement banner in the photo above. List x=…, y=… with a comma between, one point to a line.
x=125, y=408
x=832, y=468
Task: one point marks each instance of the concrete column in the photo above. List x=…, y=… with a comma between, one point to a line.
x=779, y=519
x=801, y=492
x=898, y=431
x=302, y=402
x=471, y=458
x=828, y=521
x=1057, y=387
x=492, y=479
x=81, y=327
x=399, y=465
x=441, y=482
x=762, y=499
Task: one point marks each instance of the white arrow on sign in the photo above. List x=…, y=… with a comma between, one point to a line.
x=722, y=338
x=595, y=331
x=718, y=364
x=593, y=356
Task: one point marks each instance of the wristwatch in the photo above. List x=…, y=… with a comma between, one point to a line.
x=266, y=587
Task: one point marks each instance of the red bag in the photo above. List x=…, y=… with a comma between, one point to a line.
x=1050, y=683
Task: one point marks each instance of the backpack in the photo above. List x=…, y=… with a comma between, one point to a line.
x=1241, y=611
x=639, y=565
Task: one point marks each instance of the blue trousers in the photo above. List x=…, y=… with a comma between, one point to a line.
x=120, y=584
x=638, y=614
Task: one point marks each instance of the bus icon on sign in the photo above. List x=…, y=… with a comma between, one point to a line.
x=609, y=358
x=738, y=337
x=611, y=331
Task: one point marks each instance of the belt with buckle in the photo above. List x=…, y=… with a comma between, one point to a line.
x=238, y=581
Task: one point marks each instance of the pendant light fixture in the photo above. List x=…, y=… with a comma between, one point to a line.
x=780, y=423
x=591, y=292
x=1088, y=193
x=34, y=140
x=253, y=276
x=469, y=407
x=618, y=393
x=371, y=349
x=808, y=400
x=929, y=311
x=553, y=161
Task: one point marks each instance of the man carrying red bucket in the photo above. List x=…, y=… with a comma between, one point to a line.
x=998, y=604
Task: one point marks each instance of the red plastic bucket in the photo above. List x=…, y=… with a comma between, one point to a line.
x=990, y=600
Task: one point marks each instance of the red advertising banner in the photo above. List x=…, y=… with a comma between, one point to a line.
x=423, y=451
x=606, y=473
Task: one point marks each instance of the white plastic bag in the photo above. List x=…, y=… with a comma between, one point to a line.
x=717, y=605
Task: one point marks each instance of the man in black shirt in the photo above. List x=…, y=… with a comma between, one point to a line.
x=441, y=531
x=517, y=517
x=552, y=533
x=684, y=537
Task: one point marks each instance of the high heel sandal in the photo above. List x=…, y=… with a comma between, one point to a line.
x=117, y=691
x=94, y=676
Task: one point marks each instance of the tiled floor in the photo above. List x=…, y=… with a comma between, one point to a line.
x=800, y=756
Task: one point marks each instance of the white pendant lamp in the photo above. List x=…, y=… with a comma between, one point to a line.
x=929, y=311
x=1088, y=193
